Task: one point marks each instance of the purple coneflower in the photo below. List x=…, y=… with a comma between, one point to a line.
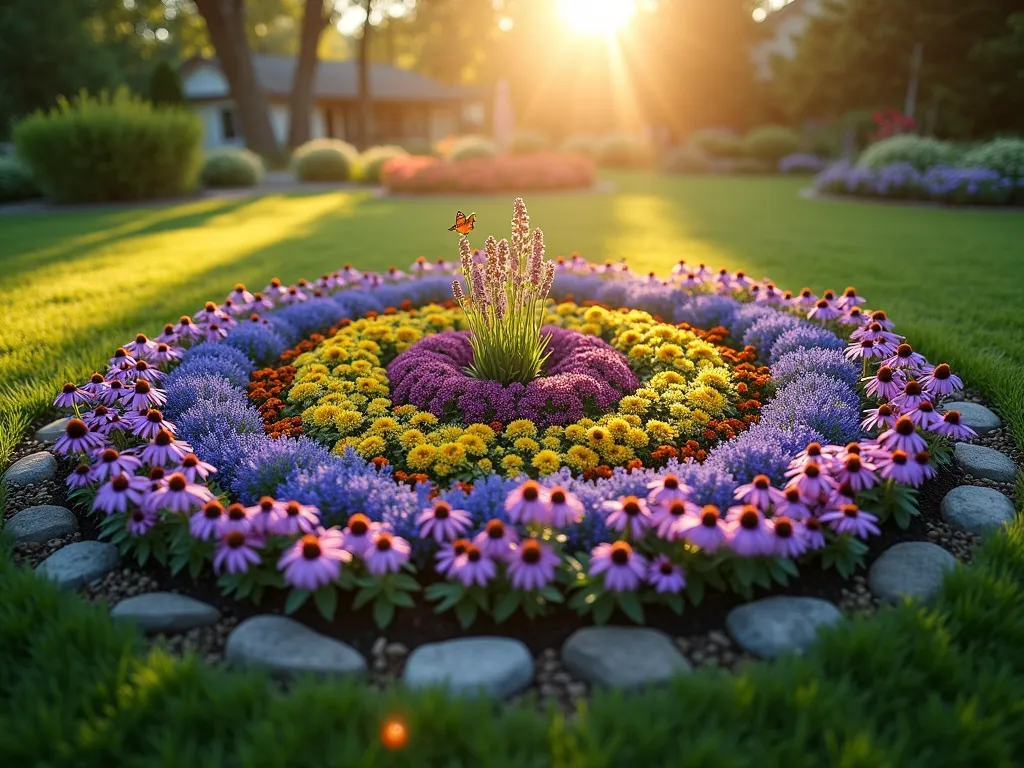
x=95, y=385
x=952, y=426
x=748, y=534
x=759, y=492
x=723, y=282
x=811, y=533
x=236, y=518
x=440, y=522
x=261, y=303
x=186, y=329
x=940, y=381
x=627, y=514
x=923, y=459
x=315, y=560
x=924, y=415
x=666, y=490
x=814, y=453
x=357, y=533
x=261, y=512
x=823, y=310
x=80, y=477
x=473, y=567
x=448, y=552
x=496, y=539
x=385, y=553
x=856, y=471
x=293, y=296
x=240, y=297
x=168, y=335
x=903, y=436
x=141, y=521
x=877, y=418
x=140, y=347
x=812, y=483
x=788, y=541
x=141, y=396
x=193, y=468
x=120, y=360
x=275, y=288
x=706, y=530
x=109, y=463
x=851, y=519
x=912, y=396
x=565, y=508
x=866, y=349
x=665, y=576
x=165, y=450
x=236, y=552
x=849, y=299
x=147, y=424
x=71, y=396
x=119, y=492
x=905, y=357
x=78, y=438
x=205, y=523
x=211, y=313
x=532, y=565
x=666, y=518
x=623, y=568
x=852, y=316
x=886, y=384
x=294, y=519
x=145, y=371
x=528, y=503
x=112, y=394
x=792, y=505
x=900, y=467
x=179, y=495
x=214, y=332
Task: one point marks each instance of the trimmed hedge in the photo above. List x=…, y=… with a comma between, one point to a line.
x=529, y=143
x=16, y=183
x=581, y=144
x=471, y=147
x=687, y=158
x=771, y=143
x=922, y=152
x=1004, y=156
x=718, y=142
x=109, y=148
x=373, y=159
x=620, y=150
x=230, y=167
x=914, y=687
x=324, y=160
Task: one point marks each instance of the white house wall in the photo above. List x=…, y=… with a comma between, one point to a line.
x=205, y=82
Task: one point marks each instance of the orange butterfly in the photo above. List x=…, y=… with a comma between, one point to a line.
x=463, y=224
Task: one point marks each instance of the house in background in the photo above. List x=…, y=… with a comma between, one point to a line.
x=406, y=105
x=786, y=21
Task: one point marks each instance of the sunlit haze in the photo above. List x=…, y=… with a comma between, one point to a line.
x=596, y=17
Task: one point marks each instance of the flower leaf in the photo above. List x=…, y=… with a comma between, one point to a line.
x=630, y=605
x=295, y=600
x=383, y=612
x=326, y=599
x=506, y=605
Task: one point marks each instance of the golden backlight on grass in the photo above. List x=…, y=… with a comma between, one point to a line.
x=596, y=17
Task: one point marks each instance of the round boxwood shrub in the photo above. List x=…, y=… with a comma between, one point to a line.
x=373, y=159
x=581, y=144
x=110, y=147
x=687, y=158
x=324, y=160
x=529, y=143
x=620, y=150
x=1004, y=156
x=418, y=146
x=718, y=142
x=468, y=147
x=922, y=152
x=231, y=167
x=771, y=143
x=16, y=182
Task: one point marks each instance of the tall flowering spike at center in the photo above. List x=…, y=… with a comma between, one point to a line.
x=508, y=285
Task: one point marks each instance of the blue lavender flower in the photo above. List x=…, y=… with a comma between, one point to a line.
x=803, y=337
x=187, y=389
x=831, y=362
x=264, y=464
x=312, y=316
x=216, y=359
x=262, y=344
x=765, y=449
x=766, y=330
x=219, y=419
x=821, y=402
x=801, y=162
x=707, y=311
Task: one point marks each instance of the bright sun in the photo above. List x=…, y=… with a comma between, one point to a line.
x=596, y=17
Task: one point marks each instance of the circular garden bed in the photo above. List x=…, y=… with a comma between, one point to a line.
x=692, y=444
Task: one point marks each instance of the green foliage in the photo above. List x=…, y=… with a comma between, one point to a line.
x=718, y=142
x=424, y=147
x=620, y=150
x=373, y=159
x=468, y=147
x=324, y=160
x=1006, y=156
x=16, y=182
x=528, y=143
x=922, y=152
x=165, y=86
x=687, y=158
x=581, y=144
x=105, y=148
x=771, y=143
x=231, y=167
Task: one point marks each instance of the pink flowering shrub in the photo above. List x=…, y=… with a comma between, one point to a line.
x=540, y=171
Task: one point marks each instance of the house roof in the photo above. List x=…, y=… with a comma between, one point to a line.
x=339, y=80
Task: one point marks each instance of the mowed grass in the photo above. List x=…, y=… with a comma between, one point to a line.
x=77, y=285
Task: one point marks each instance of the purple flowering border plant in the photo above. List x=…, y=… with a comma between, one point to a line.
x=170, y=452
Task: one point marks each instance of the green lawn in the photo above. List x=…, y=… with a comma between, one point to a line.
x=78, y=284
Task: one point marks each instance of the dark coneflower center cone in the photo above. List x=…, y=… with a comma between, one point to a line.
x=748, y=520
x=530, y=552
x=310, y=547
x=76, y=429
x=621, y=552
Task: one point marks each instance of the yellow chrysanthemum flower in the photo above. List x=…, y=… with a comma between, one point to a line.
x=618, y=427
x=421, y=457
x=520, y=428
x=304, y=393
x=706, y=398
x=485, y=465
x=441, y=469
x=423, y=419
x=639, y=352
x=619, y=454
x=483, y=431
x=660, y=431
x=361, y=366
x=590, y=329
x=598, y=437
x=637, y=438
x=526, y=445
x=668, y=352
x=405, y=411
x=451, y=453
x=716, y=377
x=408, y=334
x=579, y=457
x=474, y=444
x=384, y=426
x=378, y=406
x=575, y=433
x=665, y=379
x=323, y=415
x=546, y=462
x=411, y=438
x=551, y=443
x=633, y=404
x=335, y=354
x=512, y=465
x=334, y=398
x=371, y=446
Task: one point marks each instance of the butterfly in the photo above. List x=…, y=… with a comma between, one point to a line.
x=463, y=224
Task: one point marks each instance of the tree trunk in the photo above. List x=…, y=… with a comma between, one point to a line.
x=225, y=22
x=300, y=105
x=364, y=97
